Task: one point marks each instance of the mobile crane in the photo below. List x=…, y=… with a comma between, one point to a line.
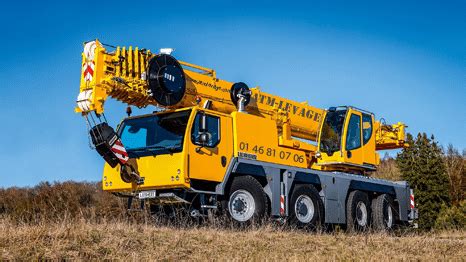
x=215, y=144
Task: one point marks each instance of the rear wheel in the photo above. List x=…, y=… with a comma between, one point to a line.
x=358, y=211
x=247, y=200
x=306, y=207
x=383, y=213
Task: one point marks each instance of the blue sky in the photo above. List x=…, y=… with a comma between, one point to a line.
x=402, y=61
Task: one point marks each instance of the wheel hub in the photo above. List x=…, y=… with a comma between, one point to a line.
x=389, y=220
x=241, y=205
x=304, y=209
x=361, y=214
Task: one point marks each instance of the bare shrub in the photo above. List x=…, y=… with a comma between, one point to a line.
x=456, y=171
x=58, y=202
x=388, y=169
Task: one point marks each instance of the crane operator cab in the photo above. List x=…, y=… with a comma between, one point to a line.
x=347, y=140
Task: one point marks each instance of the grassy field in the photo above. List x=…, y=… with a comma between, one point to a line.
x=79, y=221
x=136, y=241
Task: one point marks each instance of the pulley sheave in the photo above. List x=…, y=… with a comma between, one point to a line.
x=166, y=80
x=240, y=89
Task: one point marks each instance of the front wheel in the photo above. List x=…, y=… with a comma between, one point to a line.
x=247, y=200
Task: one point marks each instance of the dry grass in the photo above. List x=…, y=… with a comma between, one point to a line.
x=80, y=222
x=124, y=241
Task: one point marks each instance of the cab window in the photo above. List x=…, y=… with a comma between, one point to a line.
x=332, y=129
x=353, y=136
x=366, y=128
x=213, y=130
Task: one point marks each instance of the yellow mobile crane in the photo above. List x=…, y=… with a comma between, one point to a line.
x=217, y=144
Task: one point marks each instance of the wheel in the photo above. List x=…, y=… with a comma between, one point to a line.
x=306, y=207
x=247, y=200
x=383, y=213
x=358, y=211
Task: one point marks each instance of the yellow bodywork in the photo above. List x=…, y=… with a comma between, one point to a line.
x=256, y=139
x=274, y=129
x=161, y=171
x=390, y=136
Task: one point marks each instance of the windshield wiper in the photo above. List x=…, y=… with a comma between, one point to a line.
x=174, y=148
x=149, y=149
x=152, y=149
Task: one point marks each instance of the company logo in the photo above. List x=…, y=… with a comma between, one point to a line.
x=247, y=155
x=209, y=85
x=293, y=108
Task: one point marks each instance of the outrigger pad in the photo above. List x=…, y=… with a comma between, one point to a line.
x=108, y=144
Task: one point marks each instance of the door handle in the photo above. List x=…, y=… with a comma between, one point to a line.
x=348, y=154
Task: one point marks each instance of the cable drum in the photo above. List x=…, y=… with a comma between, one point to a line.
x=166, y=80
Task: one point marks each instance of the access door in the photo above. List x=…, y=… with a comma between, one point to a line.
x=353, y=151
x=210, y=146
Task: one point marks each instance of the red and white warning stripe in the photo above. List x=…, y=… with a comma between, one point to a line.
x=120, y=152
x=88, y=71
x=89, y=65
x=411, y=201
x=282, y=205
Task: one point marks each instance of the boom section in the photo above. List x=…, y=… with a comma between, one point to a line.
x=123, y=74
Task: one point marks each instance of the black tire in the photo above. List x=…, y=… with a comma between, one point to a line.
x=383, y=213
x=358, y=211
x=240, y=206
x=310, y=214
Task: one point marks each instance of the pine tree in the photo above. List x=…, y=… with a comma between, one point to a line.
x=422, y=165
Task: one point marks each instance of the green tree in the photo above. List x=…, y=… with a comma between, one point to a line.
x=422, y=165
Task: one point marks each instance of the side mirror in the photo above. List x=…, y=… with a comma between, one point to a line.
x=204, y=138
x=204, y=135
x=203, y=123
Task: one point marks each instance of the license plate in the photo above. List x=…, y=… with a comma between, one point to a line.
x=147, y=194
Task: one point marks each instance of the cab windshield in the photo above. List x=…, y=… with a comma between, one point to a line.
x=154, y=134
x=332, y=129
